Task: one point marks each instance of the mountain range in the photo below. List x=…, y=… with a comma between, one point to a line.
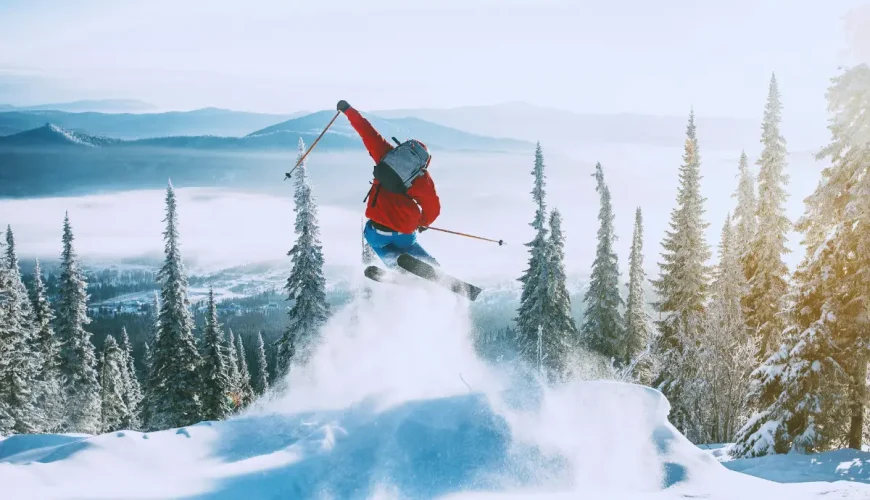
x=280, y=136
x=206, y=121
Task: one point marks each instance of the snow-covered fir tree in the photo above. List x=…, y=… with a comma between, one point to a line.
x=765, y=268
x=246, y=392
x=530, y=314
x=216, y=383
x=49, y=394
x=148, y=391
x=78, y=361
x=637, y=321
x=810, y=393
x=232, y=357
x=682, y=287
x=745, y=214
x=19, y=364
x=306, y=285
x=603, y=330
x=175, y=361
x=115, y=414
x=724, y=351
x=132, y=387
x=261, y=375
x=559, y=331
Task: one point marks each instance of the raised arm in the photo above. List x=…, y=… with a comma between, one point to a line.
x=376, y=145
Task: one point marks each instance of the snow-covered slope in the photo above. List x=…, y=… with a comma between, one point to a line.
x=395, y=405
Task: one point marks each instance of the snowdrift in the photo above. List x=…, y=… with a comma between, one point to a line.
x=396, y=405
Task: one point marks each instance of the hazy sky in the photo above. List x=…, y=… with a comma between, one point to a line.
x=601, y=56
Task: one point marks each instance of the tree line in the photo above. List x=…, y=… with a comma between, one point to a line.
x=746, y=351
x=53, y=380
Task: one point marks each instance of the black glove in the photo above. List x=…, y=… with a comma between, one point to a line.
x=422, y=228
x=342, y=106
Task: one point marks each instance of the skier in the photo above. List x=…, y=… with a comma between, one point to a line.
x=394, y=218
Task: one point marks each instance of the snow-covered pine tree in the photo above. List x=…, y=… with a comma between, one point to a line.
x=115, y=414
x=766, y=271
x=745, y=215
x=148, y=387
x=19, y=367
x=725, y=349
x=306, y=285
x=603, y=330
x=637, y=321
x=232, y=358
x=817, y=395
x=682, y=287
x=246, y=392
x=559, y=331
x=132, y=387
x=216, y=383
x=261, y=378
x=175, y=360
x=530, y=313
x=78, y=361
x=49, y=394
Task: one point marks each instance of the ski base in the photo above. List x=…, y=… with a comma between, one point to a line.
x=431, y=273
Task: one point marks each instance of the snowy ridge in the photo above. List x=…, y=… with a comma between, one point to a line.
x=51, y=134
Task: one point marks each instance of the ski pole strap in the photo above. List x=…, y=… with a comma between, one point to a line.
x=500, y=242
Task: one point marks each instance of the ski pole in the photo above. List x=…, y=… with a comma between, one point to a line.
x=500, y=242
x=287, y=175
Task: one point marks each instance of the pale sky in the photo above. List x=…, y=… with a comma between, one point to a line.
x=269, y=55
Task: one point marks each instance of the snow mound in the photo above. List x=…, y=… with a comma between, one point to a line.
x=830, y=466
x=394, y=404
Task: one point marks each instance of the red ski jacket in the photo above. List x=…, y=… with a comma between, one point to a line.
x=401, y=212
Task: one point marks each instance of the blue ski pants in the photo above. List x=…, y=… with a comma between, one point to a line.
x=389, y=245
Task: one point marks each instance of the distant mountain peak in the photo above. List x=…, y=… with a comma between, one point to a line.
x=54, y=135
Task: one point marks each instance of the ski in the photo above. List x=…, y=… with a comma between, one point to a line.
x=428, y=272
x=381, y=275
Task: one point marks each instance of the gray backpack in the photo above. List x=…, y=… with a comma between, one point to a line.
x=401, y=165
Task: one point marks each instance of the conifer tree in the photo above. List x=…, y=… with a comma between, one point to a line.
x=215, y=374
x=246, y=392
x=148, y=389
x=19, y=366
x=115, y=414
x=682, y=287
x=49, y=392
x=725, y=350
x=132, y=387
x=637, y=321
x=261, y=379
x=232, y=358
x=603, y=329
x=78, y=358
x=766, y=271
x=306, y=285
x=530, y=314
x=175, y=360
x=746, y=214
x=811, y=393
x=559, y=330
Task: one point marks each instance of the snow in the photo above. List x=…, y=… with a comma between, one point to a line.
x=384, y=411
